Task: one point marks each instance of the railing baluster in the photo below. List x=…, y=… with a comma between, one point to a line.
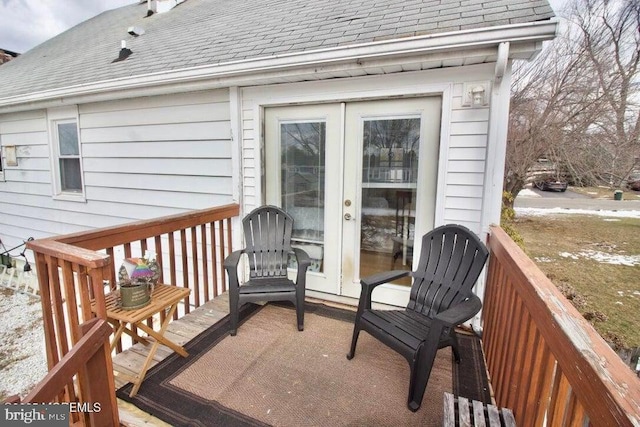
x=194, y=263
x=229, y=247
x=502, y=386
x=70, y=296
x=520, y=376
x=143, y=247
x=514, y=359
x=214, y=258
x=185, y=269
x=159, y=257
x=222, y=254
x=544, y=378
x=528, y=361
x=559, y=398
x=205, y=264
x=172, y=267
x=113, y=276
x=86, y=293
x=46, y=300
x=575, y=412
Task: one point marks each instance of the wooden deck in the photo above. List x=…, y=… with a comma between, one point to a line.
x=179, y=331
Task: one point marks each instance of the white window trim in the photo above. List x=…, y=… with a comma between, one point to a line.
x=56, y=116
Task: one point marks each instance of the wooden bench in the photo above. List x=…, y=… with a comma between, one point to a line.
x=460, y=411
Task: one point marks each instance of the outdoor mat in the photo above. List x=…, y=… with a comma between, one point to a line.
x=271, y=374
x=470, y=375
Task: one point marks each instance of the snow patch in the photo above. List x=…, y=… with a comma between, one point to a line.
x=568, y=255
x=525, y=192
x=556, y=211
x=605, y=258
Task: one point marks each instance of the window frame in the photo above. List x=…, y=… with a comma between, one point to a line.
x=64, y=116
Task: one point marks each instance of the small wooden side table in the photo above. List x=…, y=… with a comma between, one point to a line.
x=165, y=298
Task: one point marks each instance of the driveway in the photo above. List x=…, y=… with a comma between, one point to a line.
x=534, y=198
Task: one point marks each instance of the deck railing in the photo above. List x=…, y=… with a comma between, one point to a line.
x=90, y=358
x=546, y=362
x=77, y=268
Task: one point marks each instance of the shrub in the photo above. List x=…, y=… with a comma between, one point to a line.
x=507, y=217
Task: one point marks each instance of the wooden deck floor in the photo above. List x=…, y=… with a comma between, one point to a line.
x=179, y=331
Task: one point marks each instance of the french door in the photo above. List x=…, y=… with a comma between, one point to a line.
x=359, y=179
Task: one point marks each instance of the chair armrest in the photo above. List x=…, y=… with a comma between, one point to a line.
x=384, y=277
x=369, y=284
x=232, y=260
x=461, y=312
x=231, y=265
x=303, y=263
x=302, y=257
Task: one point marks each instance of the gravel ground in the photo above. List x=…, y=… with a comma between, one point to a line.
x=23, y=360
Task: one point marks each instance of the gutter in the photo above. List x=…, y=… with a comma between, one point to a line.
x=262, y=68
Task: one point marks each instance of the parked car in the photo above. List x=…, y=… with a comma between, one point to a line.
x=551, y=184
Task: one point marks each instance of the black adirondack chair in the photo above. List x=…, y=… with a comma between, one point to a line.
x=267, y=233
x=441, y=298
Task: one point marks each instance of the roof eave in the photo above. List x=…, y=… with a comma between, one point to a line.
x=251, y=71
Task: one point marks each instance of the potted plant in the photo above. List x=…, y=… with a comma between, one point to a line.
x=136, y=279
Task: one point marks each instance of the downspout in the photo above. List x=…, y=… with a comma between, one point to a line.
x=495, y=157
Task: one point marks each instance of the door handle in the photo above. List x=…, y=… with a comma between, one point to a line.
x=348, y=216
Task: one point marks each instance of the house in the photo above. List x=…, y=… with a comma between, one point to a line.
x=7, y=55
x=134, y=115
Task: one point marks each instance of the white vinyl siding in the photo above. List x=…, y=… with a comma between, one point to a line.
x=466, y=162
x=171, y=152
x=26, y=187
x=142, y=158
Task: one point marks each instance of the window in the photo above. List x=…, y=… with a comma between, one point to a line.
x=68, y=148
x=66, y=154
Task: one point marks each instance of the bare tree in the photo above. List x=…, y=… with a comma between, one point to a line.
x=608, y=33
x=547, y=96
x=577, y=102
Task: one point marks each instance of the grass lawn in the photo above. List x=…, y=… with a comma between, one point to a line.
x=581, y=254
x=606, y=193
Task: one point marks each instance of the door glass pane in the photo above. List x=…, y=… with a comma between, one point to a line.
x=302, y=147
x=389, y=181
x=68, y=137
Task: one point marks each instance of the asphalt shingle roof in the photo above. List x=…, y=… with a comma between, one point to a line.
x=210, y=32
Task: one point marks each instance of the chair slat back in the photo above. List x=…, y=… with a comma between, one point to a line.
x=451, y=260
x=267, y=233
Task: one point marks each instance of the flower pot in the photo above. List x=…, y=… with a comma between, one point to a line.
x=135, y=295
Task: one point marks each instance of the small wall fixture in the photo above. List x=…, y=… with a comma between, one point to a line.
x=10, y=155
x=475, y=94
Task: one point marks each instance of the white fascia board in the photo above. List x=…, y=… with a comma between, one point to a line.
x=237, y=72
